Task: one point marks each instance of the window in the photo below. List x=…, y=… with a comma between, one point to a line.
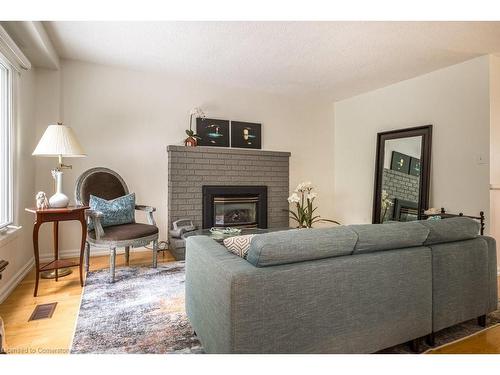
x=6, y=186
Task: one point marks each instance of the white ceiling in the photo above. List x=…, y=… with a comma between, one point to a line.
x=339, y=59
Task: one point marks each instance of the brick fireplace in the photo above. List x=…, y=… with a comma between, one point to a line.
x=192, y=168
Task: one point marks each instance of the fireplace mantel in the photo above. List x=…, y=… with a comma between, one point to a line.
x=226, y=151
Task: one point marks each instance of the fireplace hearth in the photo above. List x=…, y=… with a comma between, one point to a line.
x=234, y=206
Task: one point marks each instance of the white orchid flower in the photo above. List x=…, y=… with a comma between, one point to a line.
x=197, y=112
x=304, y=186
x=294, y=198
x=311, y=196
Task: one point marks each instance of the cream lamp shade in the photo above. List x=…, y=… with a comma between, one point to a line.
x=59, y=140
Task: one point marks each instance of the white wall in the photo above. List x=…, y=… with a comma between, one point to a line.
x=17, y=249
x=455, y=100
x=411, y=146
x=124, y=119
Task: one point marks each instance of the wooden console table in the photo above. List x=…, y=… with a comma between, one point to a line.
x=56, y=215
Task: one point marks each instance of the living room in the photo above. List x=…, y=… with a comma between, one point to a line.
x=213, y=185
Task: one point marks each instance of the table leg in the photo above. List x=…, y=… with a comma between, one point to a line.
x=155, y=253
x=56, y=246
x=82, y=245
x=112, y=261
x=36, y=227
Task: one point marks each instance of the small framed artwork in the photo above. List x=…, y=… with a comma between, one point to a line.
x=246, y=135
x=400, y=162
x=415, y=167
x=212, y=132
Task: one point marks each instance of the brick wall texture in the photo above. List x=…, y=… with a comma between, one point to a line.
x=400, y=185
x=189, y=168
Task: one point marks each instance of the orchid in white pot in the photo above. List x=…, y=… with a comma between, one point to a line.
x=192, y=139
x=303, y=199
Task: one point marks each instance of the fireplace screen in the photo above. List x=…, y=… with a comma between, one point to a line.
x=234, y=206
x=236, y=211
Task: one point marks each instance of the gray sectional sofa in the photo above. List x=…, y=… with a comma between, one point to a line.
x=348, y=289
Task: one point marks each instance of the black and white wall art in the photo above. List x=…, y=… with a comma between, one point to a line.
x=212, y=132
x=246, y=135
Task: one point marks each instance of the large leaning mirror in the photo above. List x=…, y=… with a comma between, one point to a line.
x=402, y=174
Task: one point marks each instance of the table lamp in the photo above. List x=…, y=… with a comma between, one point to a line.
x=59, y=141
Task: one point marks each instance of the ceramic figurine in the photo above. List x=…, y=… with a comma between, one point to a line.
x=41, y=201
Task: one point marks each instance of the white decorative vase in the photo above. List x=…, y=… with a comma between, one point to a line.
x=59, y=199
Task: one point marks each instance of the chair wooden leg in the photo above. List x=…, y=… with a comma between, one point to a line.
x=112, y=263
x=481, y=320
x=87, y=257
x=155, y=254
x=127, y=255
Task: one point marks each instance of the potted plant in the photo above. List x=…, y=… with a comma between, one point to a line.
x=192, y=139
x=303, y=199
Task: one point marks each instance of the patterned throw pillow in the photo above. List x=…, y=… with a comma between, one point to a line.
x=115, y=212
x=239, y=245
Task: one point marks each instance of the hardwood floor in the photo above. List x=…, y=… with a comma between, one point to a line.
x=53, y=336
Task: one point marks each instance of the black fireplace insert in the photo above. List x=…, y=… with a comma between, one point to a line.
x=234, y=206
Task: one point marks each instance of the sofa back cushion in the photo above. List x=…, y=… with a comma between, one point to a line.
x=299, y=245
x=378, y=237
x=450, y=230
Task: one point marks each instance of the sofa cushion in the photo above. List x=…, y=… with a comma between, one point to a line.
x=126, y=232
x=377, y=237
x=299, y=245
x=450, y=230
x=239, y=245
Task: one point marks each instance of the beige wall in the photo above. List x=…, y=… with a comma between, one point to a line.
x=495, y=148
x=17, y=249
x=125, y=119
x=456, y=101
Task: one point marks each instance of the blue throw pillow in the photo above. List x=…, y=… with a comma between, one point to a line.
x=115, y=212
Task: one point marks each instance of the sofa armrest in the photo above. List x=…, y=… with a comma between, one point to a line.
x=149, y=212
x=211, y=268
x=492, y=272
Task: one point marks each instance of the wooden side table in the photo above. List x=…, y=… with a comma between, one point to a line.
x=55, y=215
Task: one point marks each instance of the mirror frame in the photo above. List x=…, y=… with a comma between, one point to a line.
x=425, y=161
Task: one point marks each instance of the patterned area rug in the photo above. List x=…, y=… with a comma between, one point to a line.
x=143, y=312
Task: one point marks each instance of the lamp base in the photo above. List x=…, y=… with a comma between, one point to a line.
x=59, y=199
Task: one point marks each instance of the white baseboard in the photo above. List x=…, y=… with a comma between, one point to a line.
x=94, y=251
x=6, y=289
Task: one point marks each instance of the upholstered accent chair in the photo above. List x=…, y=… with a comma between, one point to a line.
x=107, y=184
